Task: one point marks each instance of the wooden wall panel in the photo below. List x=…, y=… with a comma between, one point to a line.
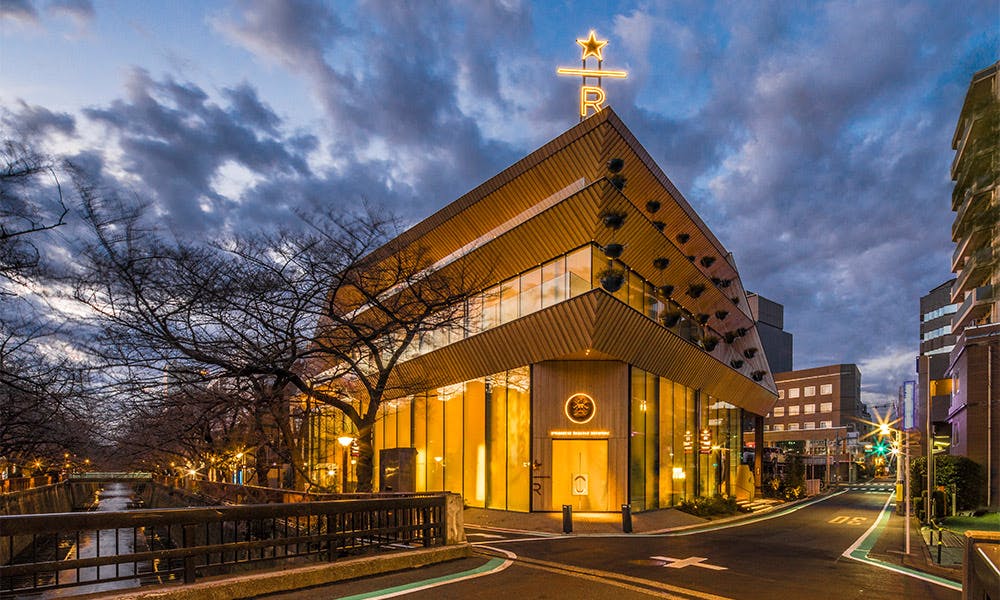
x=552, y=383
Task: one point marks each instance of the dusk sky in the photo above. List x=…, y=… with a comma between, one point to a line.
x=814, y=138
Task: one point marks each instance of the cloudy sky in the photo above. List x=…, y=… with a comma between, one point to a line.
x=812, y=137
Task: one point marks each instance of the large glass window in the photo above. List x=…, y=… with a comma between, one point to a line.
x=554, y=282
x=531, y=291
x=578, y=267
x=471, y=438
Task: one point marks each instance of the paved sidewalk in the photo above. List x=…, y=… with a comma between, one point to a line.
x=654, y=521
x=891, y=547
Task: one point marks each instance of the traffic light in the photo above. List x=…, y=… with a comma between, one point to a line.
x=881, y=448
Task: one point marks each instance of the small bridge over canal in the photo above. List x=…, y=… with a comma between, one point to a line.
x=135, y=529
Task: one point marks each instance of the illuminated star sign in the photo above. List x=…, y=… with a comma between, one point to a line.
x=592, y=46
x=592, y=97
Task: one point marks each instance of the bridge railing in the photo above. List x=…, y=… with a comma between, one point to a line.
x=221, y=491
x=20, y=484
x=177, y=545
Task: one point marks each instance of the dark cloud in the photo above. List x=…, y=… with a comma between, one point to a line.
x=402, y=103
x=81, y=10
x=176, y=141
x=19, y=10
x=32, y=122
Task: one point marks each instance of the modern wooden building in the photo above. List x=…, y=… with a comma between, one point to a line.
x=610, y=357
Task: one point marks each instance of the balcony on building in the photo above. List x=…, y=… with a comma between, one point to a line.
x=976, y=305
x=975, y=272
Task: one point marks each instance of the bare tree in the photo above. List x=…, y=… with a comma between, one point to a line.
x=26, y=175
x=292, y=320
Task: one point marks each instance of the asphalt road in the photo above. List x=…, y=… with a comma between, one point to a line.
x=797, y=554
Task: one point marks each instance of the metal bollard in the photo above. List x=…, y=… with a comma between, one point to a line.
x=626, y=518
x=567, y=518
x=940, y=543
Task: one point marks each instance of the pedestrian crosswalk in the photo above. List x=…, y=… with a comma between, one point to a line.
x=871, y=488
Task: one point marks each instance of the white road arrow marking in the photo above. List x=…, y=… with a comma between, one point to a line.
x=691, y=561
x=485, y=535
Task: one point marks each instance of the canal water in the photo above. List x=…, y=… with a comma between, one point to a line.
x=89, y=544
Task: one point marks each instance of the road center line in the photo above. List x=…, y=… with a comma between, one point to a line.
x=635, y=584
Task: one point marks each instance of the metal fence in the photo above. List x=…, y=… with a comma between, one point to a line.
x=141, y=547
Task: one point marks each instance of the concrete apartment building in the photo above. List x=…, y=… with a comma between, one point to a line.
x=974, y=362
x=933, y=385
x=818, y=398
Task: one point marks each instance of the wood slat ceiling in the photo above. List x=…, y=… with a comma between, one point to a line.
x=594, y=322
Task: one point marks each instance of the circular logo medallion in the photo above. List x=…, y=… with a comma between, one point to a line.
x=580, y=408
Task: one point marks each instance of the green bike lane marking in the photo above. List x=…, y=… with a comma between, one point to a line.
x=863, y=545
x=494, y=565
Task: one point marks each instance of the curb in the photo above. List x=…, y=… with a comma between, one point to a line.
x=253, y=584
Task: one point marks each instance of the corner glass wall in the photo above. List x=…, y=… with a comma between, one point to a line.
x=681, y=446
x=472, y=438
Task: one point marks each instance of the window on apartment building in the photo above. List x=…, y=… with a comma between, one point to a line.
x=779, y=411
x=781, y=394
x=793, y=410
x=793, y=393
x=778, y=427
x=825, y=424
x=809, y=390
x=809, y=425
x=793, y=426
x=808, y=409
x=825, y=389
x=825, y=407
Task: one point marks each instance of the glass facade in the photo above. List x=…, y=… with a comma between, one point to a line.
x=559, y=279
x=681, y=444
x=472, y=438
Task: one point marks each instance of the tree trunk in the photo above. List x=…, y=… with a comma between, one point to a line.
x=365, y=471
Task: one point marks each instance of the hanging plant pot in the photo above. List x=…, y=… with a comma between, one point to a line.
x=612, y=279
x=660, y=225
x=750, y=352
x=613, y=250
x=666, y=290
x=721, y=314
x=707, y=261
x=653, y=206
x=725, y=283
x=729, y=336
x=670, y=318
x=736, y=363
x=695, y=290
x=742, y=331
x=618, y=180
x=612, y=219
x=683, y=238
x=691, y=257
x=758, y=375
x=615, y=165
x=709, y=343
x=735, y=300
x=660, y=263
x=717, y=282
x=702, y=318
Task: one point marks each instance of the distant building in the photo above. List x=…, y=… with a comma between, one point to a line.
x=817, y=409
x=818, y=398
x=933, y=384
x=974, y=363
x=774, y=340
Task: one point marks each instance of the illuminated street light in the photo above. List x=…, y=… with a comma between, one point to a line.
x=345, y=441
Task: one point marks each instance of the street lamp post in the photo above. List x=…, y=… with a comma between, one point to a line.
x=345, y=442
